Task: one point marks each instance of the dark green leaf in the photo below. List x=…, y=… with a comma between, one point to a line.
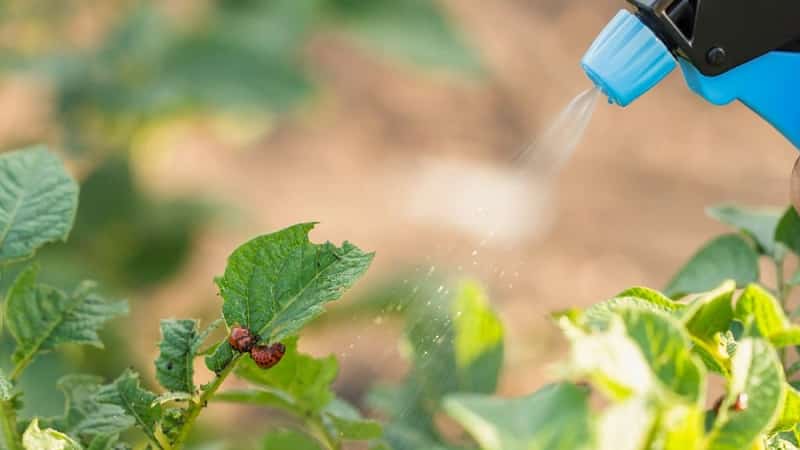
x=137, y=403
x=103, y=442
x=180, y=342
x=38, y=200
x=275, y=284
x=727, y=257
x=41, y=317
x=556, y=417
x=788, y=231
x=222, y=356
x=760, y=224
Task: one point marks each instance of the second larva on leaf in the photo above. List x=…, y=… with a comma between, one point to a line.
x=266, y=356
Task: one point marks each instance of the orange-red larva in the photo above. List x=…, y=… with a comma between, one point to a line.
x=267, y=356
x=241, y=339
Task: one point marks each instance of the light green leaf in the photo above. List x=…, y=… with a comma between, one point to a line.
x=136, y=402
x=6, y=388
x=180, y=342
x=757, y=373
x=262, y=396
x=777, y=443
x=626, y=426
x=610, y=358
x=727, y=257
x=349, y=423
x=38, y=201
x=713, y=356
x=170, y=397
x=760, y=224
x=289, y=440
x=599, y=314
x=666, y=347
x=556, y=417
x=41, y=317
x=760, y=312
x=785, y=338
x=303, y=378
x=710, y=313
x=220, y=358
x=477, y=340
x=790, y=410
x=652, y=296
x=276, y=283
x=788, y=230
x=682, y=427
x=35, y=438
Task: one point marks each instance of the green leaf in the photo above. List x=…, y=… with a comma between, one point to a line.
x=276, y=283
x=652, y=296
x=556, y=417
x=35, y=438
x=710, y=313
x=289, y=440
x=38, y=201
x=760, y=224
x=302, y=378
x=456, y=347
x=790, y=410
x=666, y=347
x=136, y=402
x=760, y=312
x=103, y=442
x=610, y=358
x=416, y=30
x=349, y=423
x=788, y=231
x=638, y=352
x=477, y=340
x=220, y=358
x=84, y=417
x=727, y=257
x=598, y=315
x=180, y=342
x=40, y=317
x=757, y=373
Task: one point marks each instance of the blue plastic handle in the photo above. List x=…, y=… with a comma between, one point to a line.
x=769, y=85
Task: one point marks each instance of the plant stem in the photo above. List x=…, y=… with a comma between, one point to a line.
x=202, y=401
x=324, y=436
x=8, y=417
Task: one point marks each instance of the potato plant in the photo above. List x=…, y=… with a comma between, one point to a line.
x=639, y=373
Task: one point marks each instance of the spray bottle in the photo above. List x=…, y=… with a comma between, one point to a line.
x=745, y=50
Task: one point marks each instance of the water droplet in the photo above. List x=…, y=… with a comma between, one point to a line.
x=431, y=270
x=460, y=268
x=378, y=320
x=475, y=253
x=440, y=289
x=502, y=273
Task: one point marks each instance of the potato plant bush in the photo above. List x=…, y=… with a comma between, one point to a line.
x=639, y=373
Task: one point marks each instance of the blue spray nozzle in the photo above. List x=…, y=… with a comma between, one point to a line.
x=627, y=59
